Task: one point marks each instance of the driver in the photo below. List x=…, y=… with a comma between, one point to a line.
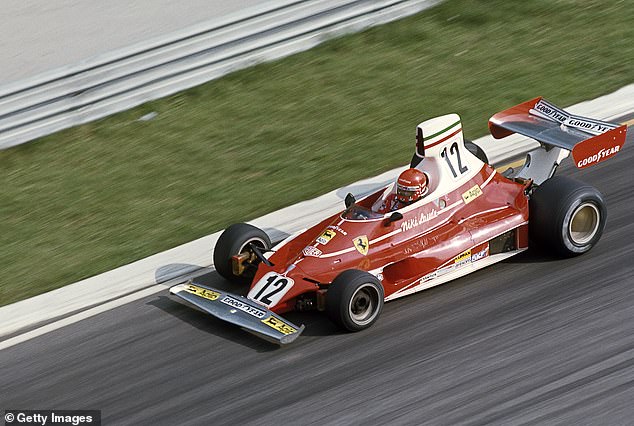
x=411, y=186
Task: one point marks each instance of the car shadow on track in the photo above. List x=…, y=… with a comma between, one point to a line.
x=317, y=324
x=210, y=324
x=178, y=272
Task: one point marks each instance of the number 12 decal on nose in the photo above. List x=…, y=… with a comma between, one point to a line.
x=270, y=289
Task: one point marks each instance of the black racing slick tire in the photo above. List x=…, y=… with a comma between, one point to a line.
x=233, y=241
x=566, y=216
x=354, y=300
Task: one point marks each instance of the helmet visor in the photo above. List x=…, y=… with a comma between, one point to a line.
x=407, y=192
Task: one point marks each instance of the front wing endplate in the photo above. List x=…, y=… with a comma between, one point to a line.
x=240, y=311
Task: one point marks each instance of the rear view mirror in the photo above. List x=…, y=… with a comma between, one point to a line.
x=394, y=217
x=350, y=200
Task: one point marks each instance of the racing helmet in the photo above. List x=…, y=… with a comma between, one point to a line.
x=411, y=186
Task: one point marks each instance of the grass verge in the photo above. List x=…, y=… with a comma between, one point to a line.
x=92, y=198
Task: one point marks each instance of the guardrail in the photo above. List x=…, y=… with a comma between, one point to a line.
x=126, y=78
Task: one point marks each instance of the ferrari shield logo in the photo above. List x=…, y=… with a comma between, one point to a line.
x=362, y=245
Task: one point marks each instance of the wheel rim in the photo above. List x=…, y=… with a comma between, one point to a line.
x=244, y=248
x=258, y=241
x=584, y=223
x=363, y=304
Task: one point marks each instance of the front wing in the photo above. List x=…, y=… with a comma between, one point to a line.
x=240, y=311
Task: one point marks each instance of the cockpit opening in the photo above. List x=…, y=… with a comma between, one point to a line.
x=357, y=212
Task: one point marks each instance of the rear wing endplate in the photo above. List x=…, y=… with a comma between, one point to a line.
x=590, y=141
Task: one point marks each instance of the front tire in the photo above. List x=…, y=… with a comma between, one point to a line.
x=235, y=240
x=354, y=300
x=567, y=216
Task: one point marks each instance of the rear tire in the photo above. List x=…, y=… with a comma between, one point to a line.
x=354, y=300
x=234, y=240
x=566, y=216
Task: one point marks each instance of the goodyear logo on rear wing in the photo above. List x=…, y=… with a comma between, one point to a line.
x=474, y=192
x=244, y=307
x=596, y=127
x=279, y=325
x=597, y=158
x=548, y=110
x=202, y=292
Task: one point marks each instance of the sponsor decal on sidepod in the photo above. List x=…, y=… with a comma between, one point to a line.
x=311, y=251
x=460, y=260
x=481, y=254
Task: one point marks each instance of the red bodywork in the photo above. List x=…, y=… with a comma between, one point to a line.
x=435, y=235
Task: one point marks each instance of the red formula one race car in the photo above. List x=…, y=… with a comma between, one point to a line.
x=448, y=215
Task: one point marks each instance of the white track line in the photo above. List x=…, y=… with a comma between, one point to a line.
x=78, y=317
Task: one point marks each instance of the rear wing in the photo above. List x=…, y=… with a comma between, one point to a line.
x=591, y=141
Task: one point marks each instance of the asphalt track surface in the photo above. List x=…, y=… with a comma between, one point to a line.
x=532, y=340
